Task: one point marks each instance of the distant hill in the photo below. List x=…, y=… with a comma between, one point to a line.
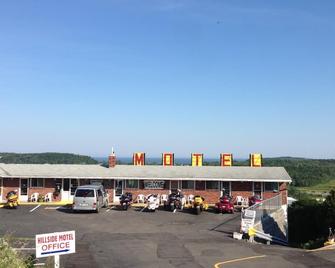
x=45, y=158
x=304, y=172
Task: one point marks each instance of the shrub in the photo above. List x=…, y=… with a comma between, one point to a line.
x=9, y=258
x=309, y=221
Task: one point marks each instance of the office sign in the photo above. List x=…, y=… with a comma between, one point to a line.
x=53, y=244
x=154, y=184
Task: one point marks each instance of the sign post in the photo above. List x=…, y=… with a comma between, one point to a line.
x=55, y=244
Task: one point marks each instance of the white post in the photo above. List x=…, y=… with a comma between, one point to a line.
x=56, y=261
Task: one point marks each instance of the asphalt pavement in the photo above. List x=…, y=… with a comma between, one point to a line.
x=132, y=238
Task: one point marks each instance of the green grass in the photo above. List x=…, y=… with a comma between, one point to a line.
x=316, y=191
x=321, y=187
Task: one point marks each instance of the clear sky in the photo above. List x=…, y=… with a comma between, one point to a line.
x=157, y=76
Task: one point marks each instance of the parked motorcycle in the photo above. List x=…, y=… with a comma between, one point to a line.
x=225, y=205
x=253, y=200
x=125, y=200
x=153, y=202
x=198, y=204
x=12, y=199
x=175, y=201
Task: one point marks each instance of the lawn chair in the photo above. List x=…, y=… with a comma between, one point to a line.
x=34, y=197
x=164, y=198
x=190, y=198
x=140, y=198
x=48, y=197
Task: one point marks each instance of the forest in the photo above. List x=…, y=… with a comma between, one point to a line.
x=45, y=158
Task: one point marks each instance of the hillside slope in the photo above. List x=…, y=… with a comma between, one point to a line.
x=45, y=158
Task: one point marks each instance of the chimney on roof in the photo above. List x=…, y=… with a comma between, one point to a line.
x=112, y=159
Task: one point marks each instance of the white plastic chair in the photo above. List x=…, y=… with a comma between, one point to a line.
x=164, y=198
x=190, y=198
x=183, y=201
x=239, y=200
x=34, y=197
x=158, y=199
x=140, y=198
x=48, y=197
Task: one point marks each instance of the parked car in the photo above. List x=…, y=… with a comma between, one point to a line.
x=90, y=197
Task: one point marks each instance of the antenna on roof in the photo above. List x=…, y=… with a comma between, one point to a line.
x=112, y=150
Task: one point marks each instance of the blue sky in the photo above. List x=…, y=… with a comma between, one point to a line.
x=157, y=76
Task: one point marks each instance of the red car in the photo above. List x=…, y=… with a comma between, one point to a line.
x=225, y=205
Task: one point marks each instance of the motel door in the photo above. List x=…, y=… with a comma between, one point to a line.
x=23, y=194
x=69, y=187
x=118, y=189
x=257, y=188
x=225, y=188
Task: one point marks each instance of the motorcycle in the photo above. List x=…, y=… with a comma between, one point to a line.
x=253, y=200
x=125, y=200
x=198, y=204
x=153, y=202
x=12, y=199
x=175, y=201
x=225, y=205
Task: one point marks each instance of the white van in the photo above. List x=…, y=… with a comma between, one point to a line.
x=90, y=197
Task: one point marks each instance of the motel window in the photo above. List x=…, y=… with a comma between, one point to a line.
x=132, y=184
x=200, y=185
x=174, y=185
x=187, y=185
x=271, y=187
x=36, y=183
x=212, y=185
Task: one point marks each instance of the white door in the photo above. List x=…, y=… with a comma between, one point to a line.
x=65, y=192
x=68, y=189
x=118, y=189
x=23, y=193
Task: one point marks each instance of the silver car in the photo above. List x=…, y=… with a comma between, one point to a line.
x=90, y=197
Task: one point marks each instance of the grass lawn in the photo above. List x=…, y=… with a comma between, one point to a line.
x=319, y=189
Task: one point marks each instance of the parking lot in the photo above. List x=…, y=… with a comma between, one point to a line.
x=132, y=238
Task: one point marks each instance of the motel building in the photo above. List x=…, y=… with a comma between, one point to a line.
x=59, y=181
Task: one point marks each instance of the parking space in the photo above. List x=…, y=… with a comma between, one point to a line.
x=115, y=238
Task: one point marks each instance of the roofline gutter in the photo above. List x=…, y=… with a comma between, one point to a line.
x=147, y=178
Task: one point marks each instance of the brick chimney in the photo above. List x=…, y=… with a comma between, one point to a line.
x=112, y=160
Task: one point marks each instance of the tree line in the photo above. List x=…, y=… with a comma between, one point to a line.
x=45, y=158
